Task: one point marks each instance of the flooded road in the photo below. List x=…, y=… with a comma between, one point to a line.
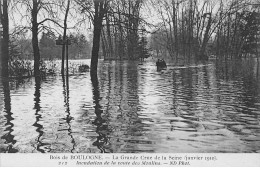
x=133, y=108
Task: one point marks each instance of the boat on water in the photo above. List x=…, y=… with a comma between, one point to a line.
x=212, y=57
x=161, y=64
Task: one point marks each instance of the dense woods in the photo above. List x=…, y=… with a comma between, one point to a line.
x=174, y=29
x=201, y=28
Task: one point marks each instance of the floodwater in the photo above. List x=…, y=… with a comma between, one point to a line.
x=133, y=108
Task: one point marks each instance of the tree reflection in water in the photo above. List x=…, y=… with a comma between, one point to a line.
x=134, y=109
x=102, y=127
x=37, y=108
x=41, y=146
x=8, y=137
x=68, y=117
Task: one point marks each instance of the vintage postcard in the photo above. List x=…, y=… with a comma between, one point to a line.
x=162, y=83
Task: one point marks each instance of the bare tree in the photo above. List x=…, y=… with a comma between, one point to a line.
x=65, y=37
x=100, y=10
x=5, y=47
x=34, y=10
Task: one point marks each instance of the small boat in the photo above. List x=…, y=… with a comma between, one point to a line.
x=212, y=57
x=83, y=68
x=160, y=63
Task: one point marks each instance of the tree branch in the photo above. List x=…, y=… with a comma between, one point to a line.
x=55, y=22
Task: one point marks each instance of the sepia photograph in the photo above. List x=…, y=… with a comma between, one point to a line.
x=129, y=77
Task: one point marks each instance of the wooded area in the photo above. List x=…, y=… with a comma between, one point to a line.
x=202, y=28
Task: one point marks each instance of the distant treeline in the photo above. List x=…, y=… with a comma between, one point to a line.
x=21, y=47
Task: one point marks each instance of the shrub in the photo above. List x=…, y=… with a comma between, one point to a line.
x=20, y=68
x=83, y=68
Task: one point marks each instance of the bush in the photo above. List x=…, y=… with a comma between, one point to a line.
x=20, y=68
x=83, y=68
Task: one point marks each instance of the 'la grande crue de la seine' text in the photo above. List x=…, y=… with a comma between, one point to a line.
x=130, y=160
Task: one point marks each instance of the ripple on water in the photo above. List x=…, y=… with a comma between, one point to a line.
x=196, y=108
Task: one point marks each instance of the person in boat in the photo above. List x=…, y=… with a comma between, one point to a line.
x=161, y=63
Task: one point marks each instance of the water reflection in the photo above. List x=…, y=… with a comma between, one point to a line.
x=210, y=107
x=99, y=122
x=8, y=136
x=39, y=128
x=68, y=118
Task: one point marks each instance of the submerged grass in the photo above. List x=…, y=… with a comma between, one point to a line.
x=21, y=68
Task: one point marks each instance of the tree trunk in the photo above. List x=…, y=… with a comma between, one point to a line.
x=64, y=38
x=5, y=42
x=175, y=26
x=110, y=46
x=104, y=46
x=205, y=39
x=36, y=50
x=121, y=49
x=98, y=18
x=67, y=58
x=228, y=36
